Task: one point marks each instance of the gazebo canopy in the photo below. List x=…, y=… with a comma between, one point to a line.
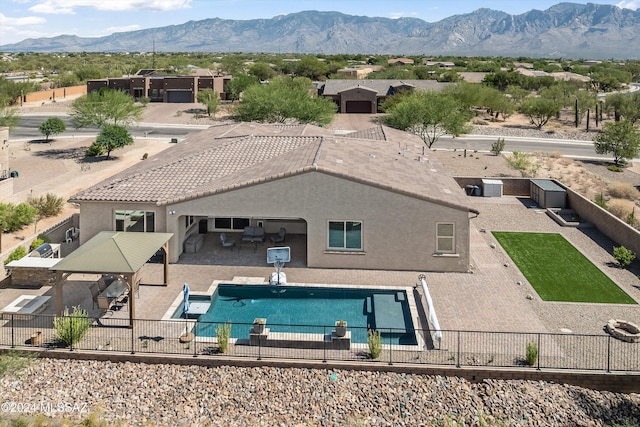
x=122, y=253
x=113, y=252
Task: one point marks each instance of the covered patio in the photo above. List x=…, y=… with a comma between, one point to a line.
x=119, y=253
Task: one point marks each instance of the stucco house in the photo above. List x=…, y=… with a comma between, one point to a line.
x=364, y=200
x=163, y=88
x=365, y=96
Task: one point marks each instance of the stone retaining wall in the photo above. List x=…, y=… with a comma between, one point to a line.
x=619, y=382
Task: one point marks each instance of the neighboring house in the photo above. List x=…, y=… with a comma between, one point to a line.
x=366, y=200
x=355, y=72
x=158, y=88
x=400, y=61
x=440, y=64
x=365, y=96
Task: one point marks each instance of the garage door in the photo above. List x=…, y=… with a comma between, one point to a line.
x=359, y=107
x=177, y=96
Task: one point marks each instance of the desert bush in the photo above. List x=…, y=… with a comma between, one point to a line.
x=223, y=332
x=374, y=339
x=14, y=217
x=532, y=353
x=35, y=244
x=14, y=361
x=524, y=163
x=555, y=154
x=614, y=168
x=71, y=328
x=601, y=201
x=623, y=255
x=94, y=150
x=623, y=190
x=620, y=208
x=564, y=161
x=18, y=253
x=44, y=238
x=498, y=146
x=47, y=205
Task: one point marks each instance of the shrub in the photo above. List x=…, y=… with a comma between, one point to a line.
x=14, y=217
x=374, y=339
x=35, y=244
x=601, y=201
x=498, y=146
x=522, y=162
x=47, y=205
x=614, y=168
x=532, y=353
x=94, y=150
x=623, y=255
x=623, y=190
x=44, y=238
x=223, y=332
x=18, y=253
x=620, y=208
x=71, y=328
x=14, y=361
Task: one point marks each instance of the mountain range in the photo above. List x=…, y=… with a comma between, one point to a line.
x=567, y=30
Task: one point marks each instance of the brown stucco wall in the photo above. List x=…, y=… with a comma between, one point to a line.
x=55, y=94
x=609, y=225
x=398, y=231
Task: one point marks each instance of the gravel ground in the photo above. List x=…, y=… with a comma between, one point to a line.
x=170, y=395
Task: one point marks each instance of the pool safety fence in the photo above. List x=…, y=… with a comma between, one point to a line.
x=456, y=348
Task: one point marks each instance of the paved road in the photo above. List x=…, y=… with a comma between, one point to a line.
x=28, y=128
x=569, y=148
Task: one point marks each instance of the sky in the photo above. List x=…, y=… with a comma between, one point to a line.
x=23, y=19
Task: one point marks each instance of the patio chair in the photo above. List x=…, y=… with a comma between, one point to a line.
x=226, y=243
x=279, y=238
x=95, y=292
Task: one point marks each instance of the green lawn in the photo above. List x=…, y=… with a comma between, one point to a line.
x=558, y=271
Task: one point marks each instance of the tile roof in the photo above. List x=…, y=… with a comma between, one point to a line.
x=232, y=156
x=383, y=87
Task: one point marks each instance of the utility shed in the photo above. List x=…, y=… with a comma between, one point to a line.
x=491, y=188
x=547, y=194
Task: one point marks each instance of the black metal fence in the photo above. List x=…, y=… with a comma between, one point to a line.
x=200, y=339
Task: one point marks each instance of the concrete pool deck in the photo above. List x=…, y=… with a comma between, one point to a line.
x=487, y=299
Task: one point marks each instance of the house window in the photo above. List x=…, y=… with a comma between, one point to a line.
x=445, y=238
x=345, y=235
x=188, y=220
x=135, y=221
x=230, y=223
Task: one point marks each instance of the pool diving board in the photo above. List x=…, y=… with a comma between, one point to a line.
x=388, y=313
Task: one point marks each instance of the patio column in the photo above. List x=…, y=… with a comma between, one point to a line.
x=165, y=247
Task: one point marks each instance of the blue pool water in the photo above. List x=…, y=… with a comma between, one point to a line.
x=288, y=307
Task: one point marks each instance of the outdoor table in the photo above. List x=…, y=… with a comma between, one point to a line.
x=112, y=292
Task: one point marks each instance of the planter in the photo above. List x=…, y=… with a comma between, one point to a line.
x=258, y=325
x=341, y=328
x=36, y=338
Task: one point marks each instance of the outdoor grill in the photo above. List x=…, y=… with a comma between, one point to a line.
x=43, y=251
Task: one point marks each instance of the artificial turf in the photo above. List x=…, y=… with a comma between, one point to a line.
x=558, y=271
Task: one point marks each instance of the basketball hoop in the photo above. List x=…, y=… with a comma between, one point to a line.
x=278, y=257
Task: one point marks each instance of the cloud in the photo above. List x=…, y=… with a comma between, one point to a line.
x=124, y=28
x=25, y=20
x=629, y=4
x=396, y=15
x=69, y=6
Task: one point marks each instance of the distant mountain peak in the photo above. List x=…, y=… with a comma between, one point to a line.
x=566, y=29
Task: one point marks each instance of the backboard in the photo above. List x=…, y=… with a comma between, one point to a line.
x=279, y=254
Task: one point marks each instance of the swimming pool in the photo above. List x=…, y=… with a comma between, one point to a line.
x=308, y=309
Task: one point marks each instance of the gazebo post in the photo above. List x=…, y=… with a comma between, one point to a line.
x=59, y=298
x=132, y=298
x=166, y=263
